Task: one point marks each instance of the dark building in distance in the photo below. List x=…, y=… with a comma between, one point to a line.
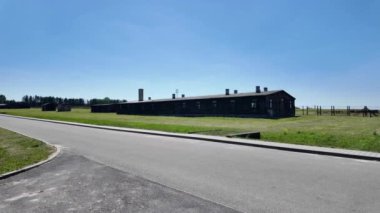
x=15, y=105
x=63, y=108
x=49, y=107
x=104, y=107
x=266, y=104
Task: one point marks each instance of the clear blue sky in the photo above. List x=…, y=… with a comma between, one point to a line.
x=321, y=52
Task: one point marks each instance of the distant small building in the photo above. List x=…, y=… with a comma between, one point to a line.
x=104, y=108
x=63, y=108
x=15, y=105
x=49, y=107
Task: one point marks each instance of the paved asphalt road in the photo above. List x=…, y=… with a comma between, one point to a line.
x=244, y=178
x=72, y=183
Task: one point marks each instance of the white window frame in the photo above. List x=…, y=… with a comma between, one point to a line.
x=253, y=104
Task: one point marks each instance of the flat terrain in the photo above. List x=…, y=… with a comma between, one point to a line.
x=72, y=183
x=243, y=178
x=17, y=151
x=349, y=132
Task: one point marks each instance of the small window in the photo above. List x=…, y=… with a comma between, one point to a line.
x=253, y=104
x=198, y=105
x=270, y=104
x=214, y=103
x=232, y=103
x=291, y=105
x=184, y=105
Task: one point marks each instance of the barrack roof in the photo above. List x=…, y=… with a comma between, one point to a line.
x=245, y=94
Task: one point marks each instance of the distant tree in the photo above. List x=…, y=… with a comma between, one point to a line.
x=30, y=101
x=58, y=100
x=37, y=101
x=81, y=102
x=3, y=99
x=105, y=100
x=25, y=98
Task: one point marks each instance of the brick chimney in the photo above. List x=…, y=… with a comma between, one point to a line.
x=141, y=94
x=258, y=89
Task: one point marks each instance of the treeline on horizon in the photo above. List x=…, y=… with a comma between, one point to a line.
x=37, y=101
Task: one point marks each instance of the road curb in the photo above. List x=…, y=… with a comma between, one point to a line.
x=53, y=155
x=362, y=155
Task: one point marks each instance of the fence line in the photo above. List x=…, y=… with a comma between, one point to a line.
x=334, y=111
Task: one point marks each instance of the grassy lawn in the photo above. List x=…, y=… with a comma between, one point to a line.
x=17, y=151
x=349, y=132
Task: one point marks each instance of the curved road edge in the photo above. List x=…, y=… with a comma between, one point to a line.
x=58, y=150
x=335, y=152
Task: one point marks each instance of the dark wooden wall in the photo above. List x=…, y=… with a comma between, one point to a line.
x=104, y=108
x=282, y=105
x=49, y=107
x=251, y=106
x=15, y=105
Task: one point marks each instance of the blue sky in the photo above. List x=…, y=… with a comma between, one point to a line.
x=321, y=52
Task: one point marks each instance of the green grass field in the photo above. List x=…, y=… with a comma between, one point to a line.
x=17, y=151
x=349, y=132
